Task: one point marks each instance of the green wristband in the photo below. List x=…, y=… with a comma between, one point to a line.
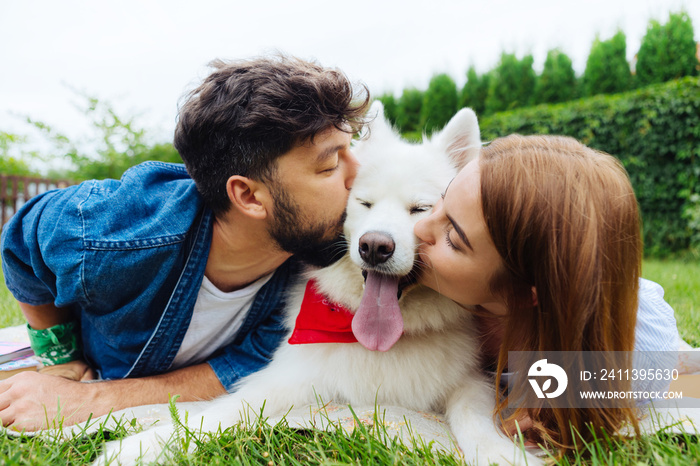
x=55, y=345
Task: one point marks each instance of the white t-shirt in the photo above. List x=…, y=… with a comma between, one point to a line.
x=216, y=319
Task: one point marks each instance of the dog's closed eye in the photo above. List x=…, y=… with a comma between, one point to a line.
x=365, y=203
x=416, y=209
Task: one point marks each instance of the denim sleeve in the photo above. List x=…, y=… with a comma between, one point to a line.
x=251, y=354
x=42, y=249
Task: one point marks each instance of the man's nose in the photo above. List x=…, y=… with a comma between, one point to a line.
x=352, y=166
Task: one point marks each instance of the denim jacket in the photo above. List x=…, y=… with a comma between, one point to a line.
x=127, y=258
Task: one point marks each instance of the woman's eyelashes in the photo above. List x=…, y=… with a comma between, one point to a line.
x=449, y=242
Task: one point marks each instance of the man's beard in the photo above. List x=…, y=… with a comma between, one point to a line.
x=296, y=235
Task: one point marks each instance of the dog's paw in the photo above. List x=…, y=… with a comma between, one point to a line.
x=143, y=448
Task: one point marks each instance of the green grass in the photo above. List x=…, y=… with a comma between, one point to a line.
x=267, y=444
x=9, y=309
x=80, y=449
x=262, y=443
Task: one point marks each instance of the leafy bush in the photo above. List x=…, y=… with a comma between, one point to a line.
x=692, y=214
x=607, y=70
x=439, y=103
x=667, y=51
x=654, y=131
x=512, y=84
x=408, y=110
x=557, y=82
x=475, y=91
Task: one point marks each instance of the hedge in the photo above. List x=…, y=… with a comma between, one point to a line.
x=653, y=131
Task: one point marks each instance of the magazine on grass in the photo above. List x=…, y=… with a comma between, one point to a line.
x=11, y=350
x=16, y=357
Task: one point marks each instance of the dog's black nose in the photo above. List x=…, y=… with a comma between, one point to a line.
x=376, y=248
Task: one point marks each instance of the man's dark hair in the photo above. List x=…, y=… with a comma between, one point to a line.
x=248, y=113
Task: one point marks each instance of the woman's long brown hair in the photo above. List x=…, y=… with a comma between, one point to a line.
x=565, y=220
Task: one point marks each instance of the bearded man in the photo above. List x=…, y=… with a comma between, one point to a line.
x=172, y=280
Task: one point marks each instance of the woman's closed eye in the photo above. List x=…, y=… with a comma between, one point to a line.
x=449, y=242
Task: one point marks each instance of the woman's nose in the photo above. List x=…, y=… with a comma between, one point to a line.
x=422, y=229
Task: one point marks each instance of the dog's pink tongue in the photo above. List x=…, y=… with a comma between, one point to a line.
x=378, y=324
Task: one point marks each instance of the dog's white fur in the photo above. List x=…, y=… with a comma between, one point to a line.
x=432, y=367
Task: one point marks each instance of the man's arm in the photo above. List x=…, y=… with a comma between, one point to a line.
x=29, y=400
x=48, y=315
x=44, y=316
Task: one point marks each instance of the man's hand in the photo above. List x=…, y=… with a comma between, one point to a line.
x=30, y=400
x=74, y=370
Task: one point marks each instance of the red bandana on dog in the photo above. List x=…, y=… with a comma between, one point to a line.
x=320, y=321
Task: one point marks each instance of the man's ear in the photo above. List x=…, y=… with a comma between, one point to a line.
x=249, y=197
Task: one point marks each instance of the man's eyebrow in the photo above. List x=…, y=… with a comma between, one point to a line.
x=328, y=152
x=460, y=233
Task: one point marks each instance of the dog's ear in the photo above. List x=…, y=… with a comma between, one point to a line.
x=461, y=138
x=378, y=124
x=376, y=129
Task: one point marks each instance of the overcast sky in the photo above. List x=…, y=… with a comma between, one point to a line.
x=143, y=55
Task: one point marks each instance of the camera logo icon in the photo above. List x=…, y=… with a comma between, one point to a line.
x=541, y=369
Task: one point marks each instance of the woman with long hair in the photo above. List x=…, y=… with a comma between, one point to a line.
x=541, y=237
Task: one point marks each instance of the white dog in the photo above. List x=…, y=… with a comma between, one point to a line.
x=418, y=351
